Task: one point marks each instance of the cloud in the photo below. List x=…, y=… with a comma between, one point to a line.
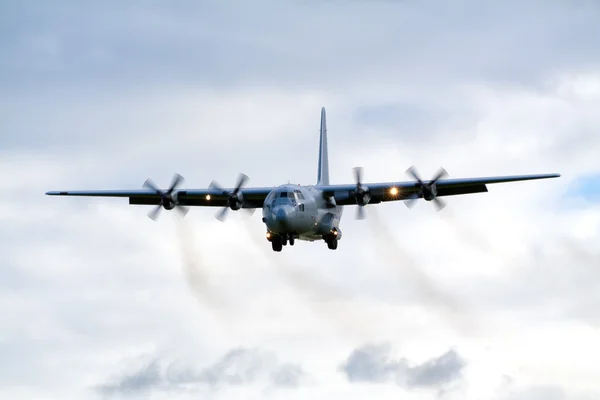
x=107, y=95
x=436, y=371
x=369, y=363
x=373, y=363
x=138, y=382
x=207, y=44
x=538, y=393
x=237, y=367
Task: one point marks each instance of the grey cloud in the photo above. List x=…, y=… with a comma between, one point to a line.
x=138, y=382
x=292, y=43
x=243, y=366
x=238, y=367
x=288, y=375
x=372, y=363
x=436, y=371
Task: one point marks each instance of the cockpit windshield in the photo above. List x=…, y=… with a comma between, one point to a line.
x=285, y=197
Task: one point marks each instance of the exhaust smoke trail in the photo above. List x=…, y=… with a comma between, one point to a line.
x=452, y=309
x=475, y=239
x=195, y=273
x=321, y=297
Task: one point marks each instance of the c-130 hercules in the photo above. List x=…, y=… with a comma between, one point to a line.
x=303, y=212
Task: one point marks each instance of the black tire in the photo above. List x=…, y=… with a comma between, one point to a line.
x=332, y=243
x=276, y=244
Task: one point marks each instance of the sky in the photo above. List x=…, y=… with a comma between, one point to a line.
x=494, y=297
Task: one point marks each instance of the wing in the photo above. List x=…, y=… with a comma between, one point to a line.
x=253, y=197
x=384, y=191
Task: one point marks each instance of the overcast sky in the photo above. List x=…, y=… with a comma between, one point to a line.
x=496, y=297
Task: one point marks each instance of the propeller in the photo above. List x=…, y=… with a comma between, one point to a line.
x=427, y=189
x=235, y=198
x=361, y=193
x=168, y=198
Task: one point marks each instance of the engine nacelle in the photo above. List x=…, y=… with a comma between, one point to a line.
x=429, y=192
x=362, y=196
x=169, y=201
x=327, y=227
x=235, y=201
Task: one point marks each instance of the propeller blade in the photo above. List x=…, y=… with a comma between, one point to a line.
x=214, y=185
x=358, y=175
x=177, y=179
x=412, y=171
x=221, y=215
x=241, y=180
x=439, y=203
x=183, y=210
x=441, y=174
x=360, y=212
x=249, y=211
x=150, y=185
x=410, y=203
x=154, y=213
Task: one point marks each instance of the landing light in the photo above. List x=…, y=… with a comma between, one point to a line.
x=268, y=235
x=208, y=197
x=394, y=191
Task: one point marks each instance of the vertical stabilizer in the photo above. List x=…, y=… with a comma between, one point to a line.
x=323, y=178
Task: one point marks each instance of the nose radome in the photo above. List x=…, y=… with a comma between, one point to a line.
x=283, y=215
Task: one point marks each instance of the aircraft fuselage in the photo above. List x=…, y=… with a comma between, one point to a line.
x=293, y=212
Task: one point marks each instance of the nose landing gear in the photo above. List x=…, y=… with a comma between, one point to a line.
x=278, y=241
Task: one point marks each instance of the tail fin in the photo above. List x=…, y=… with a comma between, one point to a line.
x=323, y=176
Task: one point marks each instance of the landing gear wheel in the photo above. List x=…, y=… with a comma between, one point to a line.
x=284, y=240
x=332, y=243
x=292, y=240
x=277, y=243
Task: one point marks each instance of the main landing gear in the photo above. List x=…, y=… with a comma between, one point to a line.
x=278, y=241
x=331, y=241
x=332, y=238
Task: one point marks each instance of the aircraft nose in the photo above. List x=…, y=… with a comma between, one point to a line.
x=283, y=216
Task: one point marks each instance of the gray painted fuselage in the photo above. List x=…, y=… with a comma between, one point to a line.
x=301, y=211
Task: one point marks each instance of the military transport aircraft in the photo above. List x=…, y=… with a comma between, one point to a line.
x=300, y=212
